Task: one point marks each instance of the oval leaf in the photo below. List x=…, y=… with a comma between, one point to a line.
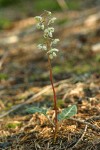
x=67, y=113
x=33, y=110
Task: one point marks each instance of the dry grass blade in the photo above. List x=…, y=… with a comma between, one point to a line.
x=87, y=123
x=81, y=138
x=62, y=4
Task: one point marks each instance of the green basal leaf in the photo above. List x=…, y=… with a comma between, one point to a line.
x=33, y=110
x=67, y=113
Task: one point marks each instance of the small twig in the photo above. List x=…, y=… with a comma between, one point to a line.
x=93, y=118
x=50, y=121
x=87, y=123
x=81, y=138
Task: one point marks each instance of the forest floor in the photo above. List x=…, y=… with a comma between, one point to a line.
x=24, y=82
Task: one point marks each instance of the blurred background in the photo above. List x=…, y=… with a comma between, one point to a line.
x=18, y=9
x=77, y=26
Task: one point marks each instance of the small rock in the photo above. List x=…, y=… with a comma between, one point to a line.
x=92, y=20
x=10, y=40
x=96, y=47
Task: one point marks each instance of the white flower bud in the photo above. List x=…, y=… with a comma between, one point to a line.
x=51, y=56
x=55, y=41
x=38, y=18
x=45, y=35
x=49, y=13
x=52, y=20
x=39, y=46
x=51, y=29
x=54, y=54
x=48, y=32
x=38, y=26
x=53, y=50
x=44, y=47
x=42, y=26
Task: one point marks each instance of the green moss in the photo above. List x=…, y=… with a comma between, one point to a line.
x=32, y=77
x=57, y=69
x=82, y=68
x=41, y=76
x=13, y=125
x=9, y=104
x=97, y=58
x=5, y=23
x=3, y=76
x=60, y=102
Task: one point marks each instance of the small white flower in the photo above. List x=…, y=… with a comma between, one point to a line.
x=45, y=35
x=44, y=47
x=38, y=18
x=54, y=54
x=52, y=20
x=38, y=26
x=49, y=13
x=51, y=56
x=51, y=29
x=42, y=26
x=39, y=46
x=53, y=50
x=55, y=41
x=48, y=32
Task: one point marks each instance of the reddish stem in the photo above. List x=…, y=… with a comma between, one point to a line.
x=55, y=98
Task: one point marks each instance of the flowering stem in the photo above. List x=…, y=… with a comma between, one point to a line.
x=44, y=23
x=55, y=98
